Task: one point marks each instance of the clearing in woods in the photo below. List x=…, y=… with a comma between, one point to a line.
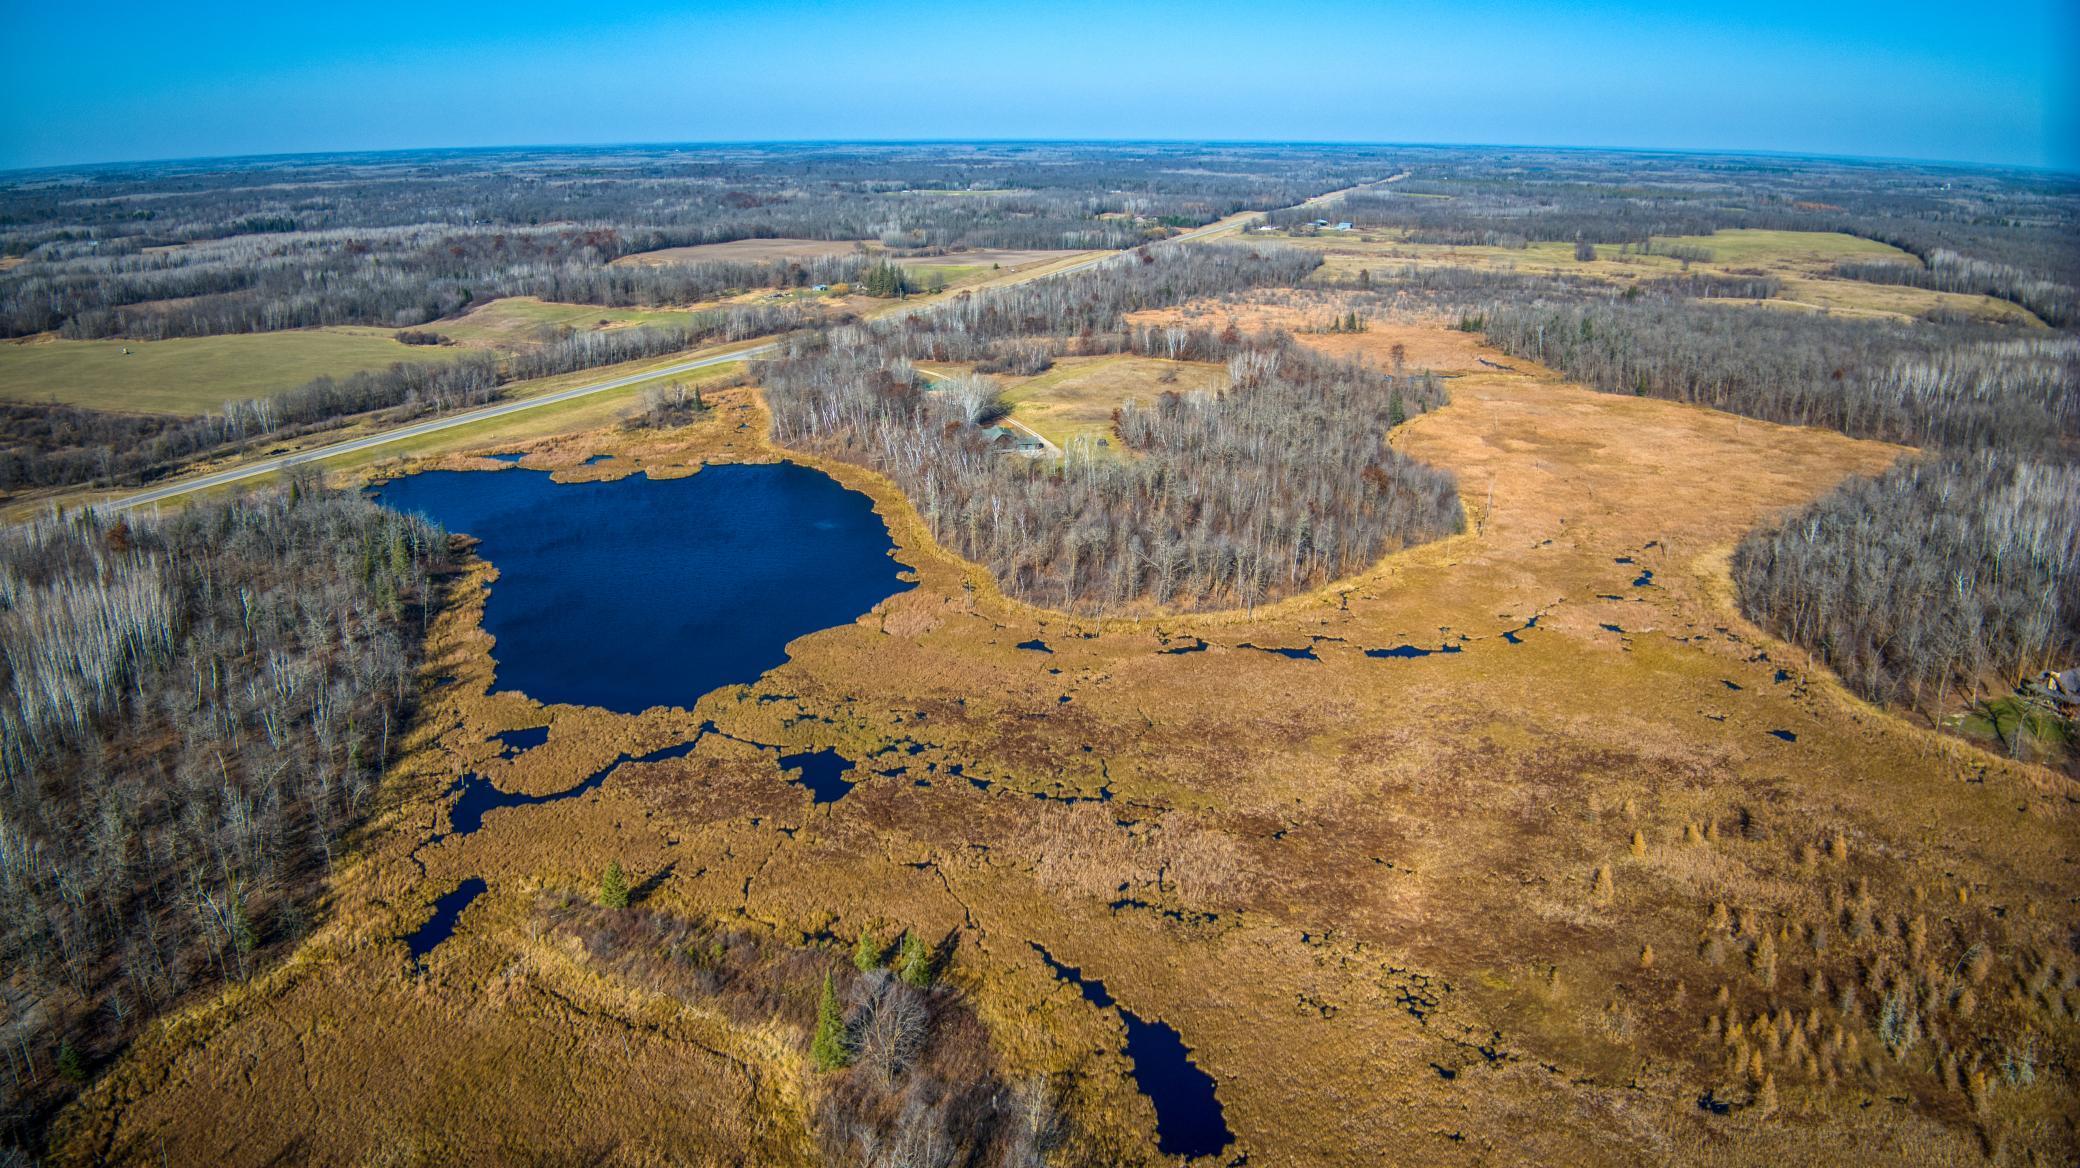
x=516, y=322
x=1401, y=895
x=192, y=375
x=742, y=251
x=763, y=251
x=1075, y=399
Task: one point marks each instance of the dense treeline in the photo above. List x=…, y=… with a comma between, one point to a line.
x=1280, y=482
x=1931, y=579
x=336, y=280
x=51, y=445
x=1912, y=383
x=192, y=709
x=1947, y=271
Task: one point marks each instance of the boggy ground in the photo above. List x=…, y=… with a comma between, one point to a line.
x=1558, y=896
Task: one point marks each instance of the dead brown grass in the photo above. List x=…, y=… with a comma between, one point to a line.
x=1390, y=942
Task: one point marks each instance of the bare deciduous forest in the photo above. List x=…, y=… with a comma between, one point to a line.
x=1943, y=574
x=195, y=709
x=1280, y=482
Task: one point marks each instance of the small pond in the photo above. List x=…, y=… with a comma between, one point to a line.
x=446, y=911
x=649, y=592
x=1190, y=1120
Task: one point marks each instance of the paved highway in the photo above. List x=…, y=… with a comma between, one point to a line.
x=268, y=466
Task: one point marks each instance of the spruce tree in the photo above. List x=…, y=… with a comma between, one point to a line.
x=867, y=952
x=613, y=887
x=917, y=962
x=71, y=1066
x=829, y=1048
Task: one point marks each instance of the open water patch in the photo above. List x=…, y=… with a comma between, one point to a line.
x=1515, y=636
x=1409, y=652
x=1306, y=653
x=513, y=742
x=1189, y=1119
x=480, y=796
x=822, y=773
x=446, y=911
x=645, y=592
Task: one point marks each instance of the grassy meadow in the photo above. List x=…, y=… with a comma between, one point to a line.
x=193, y=375
x=516, y=322
x=1075, y=399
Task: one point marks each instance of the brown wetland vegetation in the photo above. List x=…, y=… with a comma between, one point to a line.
x=1528, y=679
x=1620, y=879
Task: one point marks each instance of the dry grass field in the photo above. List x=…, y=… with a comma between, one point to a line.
x=742, y=251
x=1539, y=855
x=516, y=322
x=191, y=375
x=1075, y=399
x=992, y=258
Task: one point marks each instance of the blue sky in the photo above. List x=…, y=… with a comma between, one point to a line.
x=123, y=80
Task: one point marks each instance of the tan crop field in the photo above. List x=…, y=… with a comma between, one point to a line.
x=742, y=251
x=987, y=257
x=1534, y=852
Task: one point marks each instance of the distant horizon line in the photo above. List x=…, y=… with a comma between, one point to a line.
x=2046, y=169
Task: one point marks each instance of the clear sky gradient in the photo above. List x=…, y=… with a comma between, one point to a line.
x=128, y=80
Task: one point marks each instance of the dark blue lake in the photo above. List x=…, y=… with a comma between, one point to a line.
x=644, y=592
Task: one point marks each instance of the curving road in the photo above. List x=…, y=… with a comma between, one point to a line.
x=268, y=466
